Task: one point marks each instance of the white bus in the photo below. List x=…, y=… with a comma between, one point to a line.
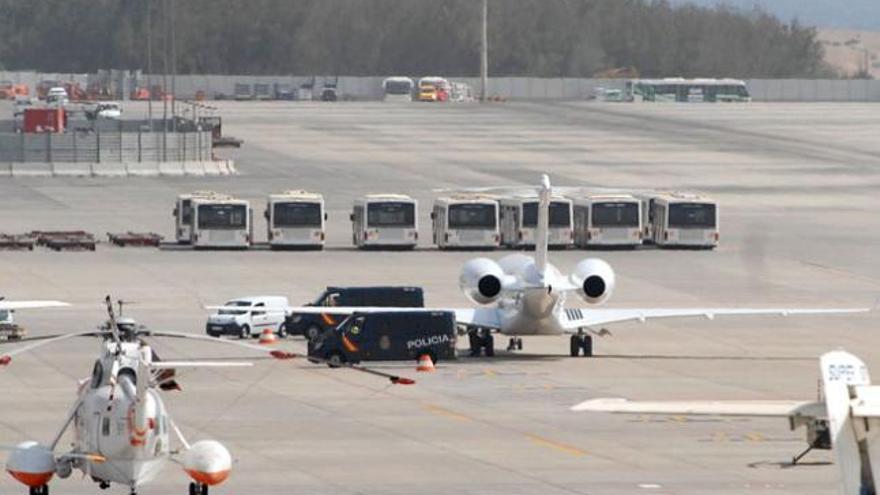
x=608, y=220
x=222, y=222
x=295, y=219
x=519, y=219
x=684, y=220
x=385, y=220
x=465, y=222
x=687, y=90
x=398, y=89
x=183, y=214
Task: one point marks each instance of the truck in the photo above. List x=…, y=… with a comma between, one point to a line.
x=311, y=325
x=387, y=336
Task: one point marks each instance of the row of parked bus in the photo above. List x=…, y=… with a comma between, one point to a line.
x=297, y=219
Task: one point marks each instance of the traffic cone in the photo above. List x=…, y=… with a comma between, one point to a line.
x=268, y=337
x=425, y=363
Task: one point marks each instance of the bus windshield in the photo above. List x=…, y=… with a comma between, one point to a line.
x=700, y=215
x=615, y=215
x=296, y=214
x=222, y=216
x=398, y=87
x=560, y=214
x=391, y=214
x=472, y=216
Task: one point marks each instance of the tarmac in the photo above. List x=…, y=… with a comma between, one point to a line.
x=797, y=184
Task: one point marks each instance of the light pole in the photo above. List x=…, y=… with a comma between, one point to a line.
x=484, y=53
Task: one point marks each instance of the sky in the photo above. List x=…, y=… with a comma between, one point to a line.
x=851, y=14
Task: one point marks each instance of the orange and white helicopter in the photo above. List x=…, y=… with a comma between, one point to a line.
x=122, y=430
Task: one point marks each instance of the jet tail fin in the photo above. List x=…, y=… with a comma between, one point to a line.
x=543, y=231
x=846, y=385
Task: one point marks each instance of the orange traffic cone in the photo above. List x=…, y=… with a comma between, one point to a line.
x=267, y=337
x=425, y=363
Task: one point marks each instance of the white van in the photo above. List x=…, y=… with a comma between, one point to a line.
x=255, y=315
x=57, y=96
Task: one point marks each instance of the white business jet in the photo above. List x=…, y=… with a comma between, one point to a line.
x=847, y=420
x=524, y=295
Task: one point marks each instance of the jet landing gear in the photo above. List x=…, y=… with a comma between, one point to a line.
x=198, y=489
x=481, y=341
x=515, y=344
x=581, y=341
x=39, y=490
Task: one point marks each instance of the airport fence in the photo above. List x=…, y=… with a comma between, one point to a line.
x=100, y=145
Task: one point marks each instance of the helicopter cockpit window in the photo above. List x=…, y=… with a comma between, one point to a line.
x=97, y=374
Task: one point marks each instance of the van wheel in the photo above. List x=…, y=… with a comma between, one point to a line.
x=282, y=331
x=245, y=332
x=335, y=359
x=312, y=332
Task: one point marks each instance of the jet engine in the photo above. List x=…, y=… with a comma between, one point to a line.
x=32, y=464
x=207, y=462
x=595, y=279
x=481, y=280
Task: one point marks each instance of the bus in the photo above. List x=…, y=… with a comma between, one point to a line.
x=676, y=89
x=684, y=220
x=519, y=218
x=433, y=89
x=465, y=222
x=295, y=219
x=398, y=89
x=183, y=214
x=221, y=222
x=385, y=220
x=610, y=220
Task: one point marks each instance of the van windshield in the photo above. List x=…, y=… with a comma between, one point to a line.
x=227, y=310
x=297, y=214
x=615, y=215
x=391, y=214
x=222, y=216
x=698, y=215
x=472, y=216
x=560, y=214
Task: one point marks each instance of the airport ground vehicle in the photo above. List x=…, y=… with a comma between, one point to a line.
x=249, y=316
x=243, y=92
x=57, y=96
x=284, y=91
x=310, y=325
x=295, y=219
x=183, y=216
x=519, y=222
x=687, y=90
x=843, y=419
x=8, y=328
x=607, y=220
x=221, y=222
x=460, y=92
x=433, y=89
x=398, y=89
x=385, y=220
x=387, y=336
x=684, y=220
x=465, y=221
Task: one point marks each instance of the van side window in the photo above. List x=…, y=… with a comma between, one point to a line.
x=258, y=312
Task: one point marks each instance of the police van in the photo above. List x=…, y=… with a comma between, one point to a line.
x=311, y=325
x=388, y=336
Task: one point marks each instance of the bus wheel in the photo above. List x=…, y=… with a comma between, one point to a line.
x=312, y=331
x=245, y=332
x=575, y=346
x=335, y=359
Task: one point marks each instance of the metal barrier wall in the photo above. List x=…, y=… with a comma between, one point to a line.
x=105, y=146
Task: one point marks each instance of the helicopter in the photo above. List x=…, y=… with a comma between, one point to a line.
x=123, y=432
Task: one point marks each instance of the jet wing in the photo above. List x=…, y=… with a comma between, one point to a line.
x=12, y=305
x=759, y=408
x=575, y=318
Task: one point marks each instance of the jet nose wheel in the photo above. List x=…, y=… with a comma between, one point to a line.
x=581, y=342
x=39, y=490
x=515, y=344
x=198, y=489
